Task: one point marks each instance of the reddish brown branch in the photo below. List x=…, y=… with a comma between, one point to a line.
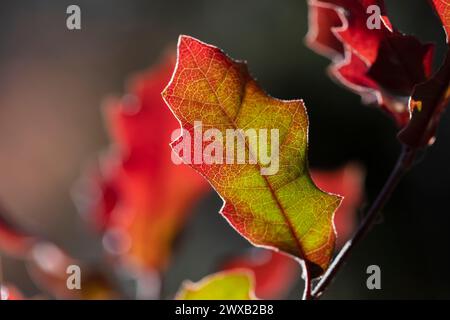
x=404, y=163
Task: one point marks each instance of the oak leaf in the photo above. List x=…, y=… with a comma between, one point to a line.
x=284, y=211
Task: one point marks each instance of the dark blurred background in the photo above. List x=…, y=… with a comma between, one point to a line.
x=52, y=83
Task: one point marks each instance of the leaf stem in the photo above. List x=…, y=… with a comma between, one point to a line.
x=404, y=163
x=307, y=293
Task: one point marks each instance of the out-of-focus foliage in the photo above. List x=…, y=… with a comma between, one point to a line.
x=142, y=198
x=226, y=285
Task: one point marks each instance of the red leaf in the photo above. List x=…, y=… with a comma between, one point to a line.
x=282, y=210
x=323, y=18
x=13, y=240
x=349, y=183
x=428, y=102
x=429, y=99
x=48, y=265
x=144, y=197
x=8, y=292
x=396, y=54
x=351, y=72
x=274, y=272
x=443, y=9
x=371, y=56
x=107, y=195
x=353, y=29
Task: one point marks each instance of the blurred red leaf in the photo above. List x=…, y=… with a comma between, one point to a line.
x=274, y=272
x=323, y=19
x=352, y=29
x=370, y=56
x=402, y=62
x=224, y=285
x=8, y=292
x=47, y=266
x=349, y=183
x=13, y=240
x=144, y=198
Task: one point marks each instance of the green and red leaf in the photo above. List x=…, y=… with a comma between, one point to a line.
x=284, y=211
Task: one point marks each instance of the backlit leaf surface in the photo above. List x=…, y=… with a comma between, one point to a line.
x=226, y=285
x=284, y=211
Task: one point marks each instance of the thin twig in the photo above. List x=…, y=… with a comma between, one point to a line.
x=404, y=163
x=307, y=293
